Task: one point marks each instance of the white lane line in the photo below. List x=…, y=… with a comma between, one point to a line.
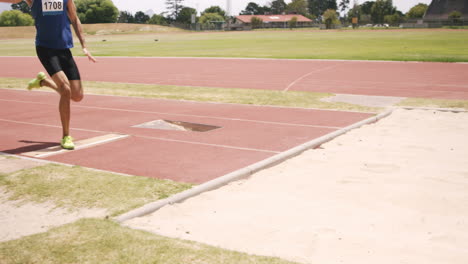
x=208, y=144
x=54, y=126
x=148, y=137
x=247, y=58
x=186, y=115
x=306, y=75
x=85, y=143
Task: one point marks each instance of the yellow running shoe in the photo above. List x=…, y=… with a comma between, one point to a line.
x=36, y=83
x=67, y=143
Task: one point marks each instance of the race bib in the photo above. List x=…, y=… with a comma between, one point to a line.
x=52, y=7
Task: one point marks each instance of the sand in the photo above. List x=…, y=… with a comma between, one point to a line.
x=19, y=218
x=10, y=164
x=391, y=192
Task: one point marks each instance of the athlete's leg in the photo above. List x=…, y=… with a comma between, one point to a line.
x=61, y=84
x=65, y=81
x=75, y=87
x=47, y=82
x=76, y=90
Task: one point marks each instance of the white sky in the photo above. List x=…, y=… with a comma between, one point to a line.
x=158, y=6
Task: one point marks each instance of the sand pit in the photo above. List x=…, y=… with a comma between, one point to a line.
x=391, y=192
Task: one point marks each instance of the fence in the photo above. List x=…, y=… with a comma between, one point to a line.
x=435, y=23
x=233, y=26
x=408, y=24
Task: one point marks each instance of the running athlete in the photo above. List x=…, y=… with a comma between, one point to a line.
x=53, y=43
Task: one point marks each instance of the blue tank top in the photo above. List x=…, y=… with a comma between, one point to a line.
x=52, y=24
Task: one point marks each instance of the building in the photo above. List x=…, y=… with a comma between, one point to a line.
x=273, y=21
x=439, y=10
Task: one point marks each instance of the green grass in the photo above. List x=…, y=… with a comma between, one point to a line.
x=204, y=94
x=2, y=156
x=400, y=45
x=102, y=241
x=92, y=29
x=77, y=187
x=434, y=103
x=455, y=27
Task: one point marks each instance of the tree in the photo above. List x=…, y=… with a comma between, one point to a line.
x=355, y=11
x=15, y=18
x=256, y=22
x=208, y=18
x=252, y=9
x=216, y=10
x=330, y=17
x=344, y=4
x=417, y=11
x=185, y=15
x=353, y=15
x=297, y=7
x=174, y=7
x=318, y=7
x=22, y=6
x=366, y=7
x=126, y=17
x=331, y=4
x=141, y=18
x=365, y=19
x=394, y=19
x=96, y=11
x=292, y=23
x=455, y=16
x=278, y=6
x=158, y=20
x=265, y=10
x=380, y=9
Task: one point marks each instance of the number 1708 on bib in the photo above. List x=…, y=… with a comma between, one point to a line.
x=52, y=7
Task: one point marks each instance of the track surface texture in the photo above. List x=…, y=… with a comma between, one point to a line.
x=247, y=134
x=401, y=79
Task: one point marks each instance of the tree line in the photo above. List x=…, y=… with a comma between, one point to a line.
x=104, y=11
x=376, y=12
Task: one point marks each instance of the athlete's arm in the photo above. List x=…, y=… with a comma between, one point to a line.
x=29, y=2
x=75, y=21
x=11, y=1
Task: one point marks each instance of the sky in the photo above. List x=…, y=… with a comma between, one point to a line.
x=158, y=6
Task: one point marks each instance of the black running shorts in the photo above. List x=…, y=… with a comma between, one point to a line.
x=56, y=60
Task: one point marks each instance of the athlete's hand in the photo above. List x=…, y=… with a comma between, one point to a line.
x=88, y=54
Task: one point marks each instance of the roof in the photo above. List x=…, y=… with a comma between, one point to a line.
x=273, y=18
x=440, y=9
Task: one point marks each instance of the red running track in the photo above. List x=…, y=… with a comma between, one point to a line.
x=30, y=121
x=403, y=79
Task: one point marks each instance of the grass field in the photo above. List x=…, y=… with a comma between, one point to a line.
x=238, y=96
x=76, y=187
x=208, y=94
x=105, y=242
x=399, y=45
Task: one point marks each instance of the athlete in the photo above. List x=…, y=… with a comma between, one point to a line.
x=53, y=43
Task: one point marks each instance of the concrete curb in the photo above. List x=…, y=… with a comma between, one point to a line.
x=453, y=110
x=245, y=172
